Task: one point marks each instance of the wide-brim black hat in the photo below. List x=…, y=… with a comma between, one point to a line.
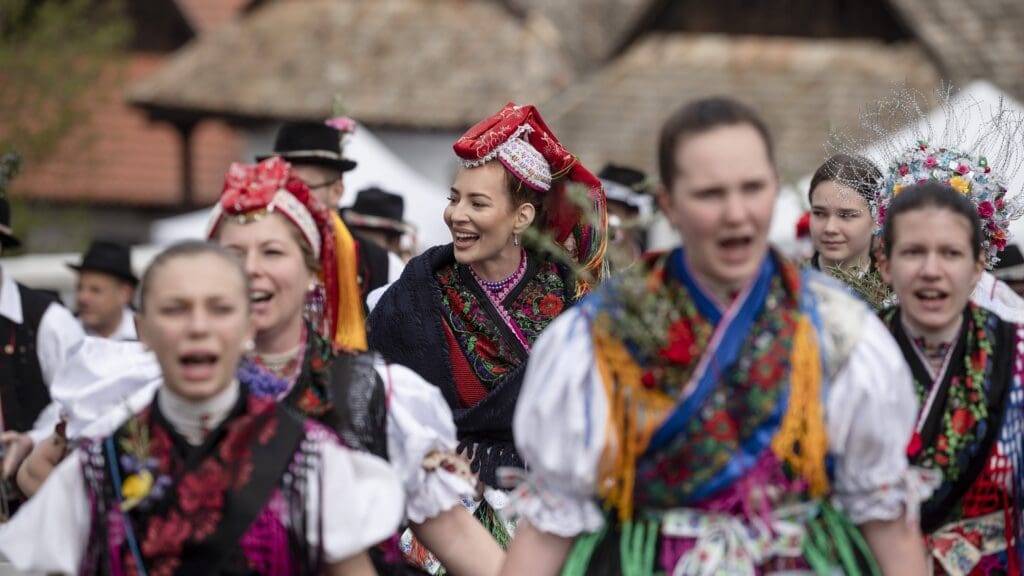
x=627, y=186
x=310, y=143
x=7, y=237
x=377, y=209
x=109, y=258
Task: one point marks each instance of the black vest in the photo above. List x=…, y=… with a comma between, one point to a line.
x=22, y=390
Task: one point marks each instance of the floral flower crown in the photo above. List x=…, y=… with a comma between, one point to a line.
x=971, y=176
x=970, y=140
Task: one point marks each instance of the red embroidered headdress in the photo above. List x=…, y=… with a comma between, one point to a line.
x=253, y=191
x=518, y=138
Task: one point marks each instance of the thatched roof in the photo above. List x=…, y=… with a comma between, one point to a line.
x=590, y=30
x=804, y=88
x=437, y=64
x=979, y=39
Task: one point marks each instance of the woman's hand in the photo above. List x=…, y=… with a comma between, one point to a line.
x=462, y=544
x=41, y=462
x=536, y=553
x=17, y=446
x=897, y=546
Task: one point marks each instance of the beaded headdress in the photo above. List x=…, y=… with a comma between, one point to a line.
x=518, y=137
x=251, y=192
x=975, y=147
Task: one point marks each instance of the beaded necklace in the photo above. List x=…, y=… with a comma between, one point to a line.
x=285, y=366
x=499, y=289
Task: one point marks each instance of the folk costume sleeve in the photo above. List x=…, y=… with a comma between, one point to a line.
x=871, y=411
x=421, y=445
x=560, y=429
x=360, y=503
x=50, y=532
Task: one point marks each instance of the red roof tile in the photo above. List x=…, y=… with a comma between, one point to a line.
x=119, y=156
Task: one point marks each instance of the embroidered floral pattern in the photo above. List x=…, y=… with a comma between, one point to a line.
x=748, y=396
x=191, y=508
x=489, y=354
x=966, y=409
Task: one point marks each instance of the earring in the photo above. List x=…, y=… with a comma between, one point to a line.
x=250, y=346
x=515, y=239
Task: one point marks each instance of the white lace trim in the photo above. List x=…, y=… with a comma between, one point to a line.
x=521, y=157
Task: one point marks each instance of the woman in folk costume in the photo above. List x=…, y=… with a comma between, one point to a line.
x=284, y=235
x=963, y=142
x=465, y=316
x=721, y=411
x=967, y=365
x=210, y=478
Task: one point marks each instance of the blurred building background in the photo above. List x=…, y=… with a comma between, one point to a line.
x=201, y=83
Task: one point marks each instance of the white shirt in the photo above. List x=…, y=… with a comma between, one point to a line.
x=998, y=297
x=125, y=330
x=57, y=333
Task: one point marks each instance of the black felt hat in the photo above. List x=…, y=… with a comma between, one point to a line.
x=310, y=143
x=7, y=238
x=626, y=185
x=108, y=258
x=1010, y=267
x=379, y=209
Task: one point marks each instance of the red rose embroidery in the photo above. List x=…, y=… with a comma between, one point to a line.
x=484, y=347
x=721, y=427
x=551, y=305
x=201, y=490
x=165, y=536
x=455, y=301
x=235, y=448
x=962, y=420
x=986, y=209
x=680, y=343
x=204, y=524
x=309, y=403
x=648, y=380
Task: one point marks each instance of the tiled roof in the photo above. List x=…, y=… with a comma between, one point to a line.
x=980, y=39
x=803, y=88
x=438, y=64
x=121, y=157
x=588, y=29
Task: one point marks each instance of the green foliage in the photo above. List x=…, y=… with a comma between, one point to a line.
x=53, y=54
x=869, y=285
x=10, y=164
x=543, y=241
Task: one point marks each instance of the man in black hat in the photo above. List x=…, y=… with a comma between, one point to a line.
x=377, y=216
x=36, y=335
x=103, y=295
x=314, y=149
x=629, y=207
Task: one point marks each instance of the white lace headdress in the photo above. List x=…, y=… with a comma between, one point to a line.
x=976, y=146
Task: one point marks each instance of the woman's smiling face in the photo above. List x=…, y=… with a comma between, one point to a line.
x=274, y=260
x=480, y=215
